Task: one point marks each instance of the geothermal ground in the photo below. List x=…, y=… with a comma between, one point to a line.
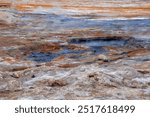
x=64, y=49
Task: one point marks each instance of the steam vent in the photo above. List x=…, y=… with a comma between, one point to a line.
x=74, y=49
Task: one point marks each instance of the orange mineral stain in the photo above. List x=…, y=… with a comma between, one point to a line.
x=30, y=7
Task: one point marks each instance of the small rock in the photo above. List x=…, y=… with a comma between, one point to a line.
x=57, y=83
x=103, y=57
x=15, y=75
x=33, y=76
x=92, y=75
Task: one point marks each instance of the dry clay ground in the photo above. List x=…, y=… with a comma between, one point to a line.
x=67, y=49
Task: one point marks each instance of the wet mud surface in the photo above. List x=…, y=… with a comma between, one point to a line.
x=48, y=54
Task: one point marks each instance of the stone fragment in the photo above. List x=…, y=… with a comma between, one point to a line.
x=15, y=75
x=103, y=57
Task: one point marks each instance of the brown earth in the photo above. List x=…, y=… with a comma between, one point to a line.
x=28, y=40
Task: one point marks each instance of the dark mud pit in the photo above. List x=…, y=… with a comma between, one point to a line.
x=94, y=45
x=49, y=56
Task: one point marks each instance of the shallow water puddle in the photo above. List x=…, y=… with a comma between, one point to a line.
x=46, y=57
x=96, y=44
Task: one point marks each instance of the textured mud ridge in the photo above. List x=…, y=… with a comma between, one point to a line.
x=72, y=50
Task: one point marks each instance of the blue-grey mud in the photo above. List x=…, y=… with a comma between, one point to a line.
x=66, y=50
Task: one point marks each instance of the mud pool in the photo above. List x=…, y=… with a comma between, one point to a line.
x=95, y=46
x=52, y=22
